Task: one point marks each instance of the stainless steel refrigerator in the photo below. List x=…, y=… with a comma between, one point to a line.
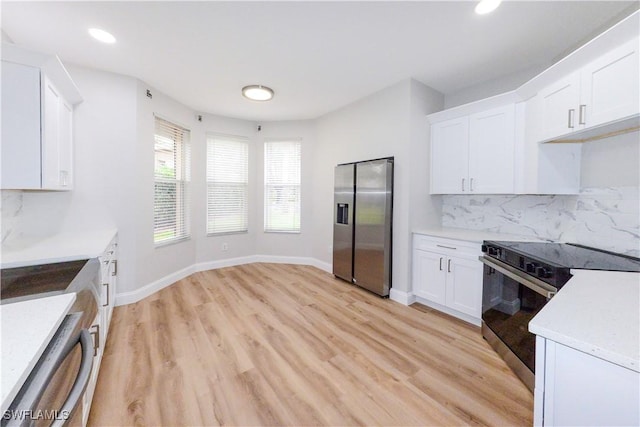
x=362, y=227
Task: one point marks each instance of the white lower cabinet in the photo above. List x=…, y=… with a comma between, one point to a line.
x=100, y=327
x=447, y=276
x=574, y=388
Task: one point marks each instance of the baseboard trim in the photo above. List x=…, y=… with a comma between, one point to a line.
x=143, y=292
x=405, y=298
x=153, y=287
x=230, y=262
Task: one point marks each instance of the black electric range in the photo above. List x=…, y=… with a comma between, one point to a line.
x=519, y=278
x=552, y=262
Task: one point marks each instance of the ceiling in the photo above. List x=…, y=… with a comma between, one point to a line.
x=317, y=56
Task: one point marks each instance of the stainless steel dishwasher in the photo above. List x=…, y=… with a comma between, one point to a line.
x=53, y=392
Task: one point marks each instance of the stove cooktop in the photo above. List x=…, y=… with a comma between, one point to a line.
x=569, y=255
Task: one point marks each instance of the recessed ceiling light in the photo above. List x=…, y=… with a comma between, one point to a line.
x=102, y=35
x=257, y=92
x=487, y=6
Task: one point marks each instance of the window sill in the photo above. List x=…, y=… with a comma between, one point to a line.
x=282, y=231
x=227, y=233
x=171, y=242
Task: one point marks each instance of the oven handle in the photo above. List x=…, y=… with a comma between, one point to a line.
x=515, y=274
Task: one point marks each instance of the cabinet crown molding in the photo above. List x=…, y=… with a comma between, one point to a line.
x=48, y=64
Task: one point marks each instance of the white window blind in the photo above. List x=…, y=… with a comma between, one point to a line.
x=282, y=186
x=227, y=184
x=171, y=189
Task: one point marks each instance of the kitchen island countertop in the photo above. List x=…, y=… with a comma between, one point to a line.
x=598, y=313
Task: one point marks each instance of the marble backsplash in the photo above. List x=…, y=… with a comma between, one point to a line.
x=605, y=218
x=11, y=210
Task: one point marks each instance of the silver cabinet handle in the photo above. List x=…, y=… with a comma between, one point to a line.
x=471, y=184
x=106, y=304
x=582, y=114
x=572, y=112
x=63, y=178
x=440, y=263
x=462, y=184
x=96, y=339
x=446, y=247
x=115, y=267
x=449, y=265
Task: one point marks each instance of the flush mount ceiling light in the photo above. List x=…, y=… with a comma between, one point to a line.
x=102, y=35
x=487, y=6
x=257, y=93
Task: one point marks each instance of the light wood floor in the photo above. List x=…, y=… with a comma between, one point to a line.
x=273, y=344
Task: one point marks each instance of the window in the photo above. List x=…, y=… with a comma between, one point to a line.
x=171, y=194
x=227, y=184
x=282, y=186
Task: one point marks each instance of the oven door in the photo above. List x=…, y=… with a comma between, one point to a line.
x=510, y=299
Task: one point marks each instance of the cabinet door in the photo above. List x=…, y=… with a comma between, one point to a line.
x=20, y=126
x=583, y=390
x=610, y=89
x=491, y=151
x=558, y=106
x=429, y=276
x=51, y=102
x=65, y=146
x=464, y=286
x=450, y=156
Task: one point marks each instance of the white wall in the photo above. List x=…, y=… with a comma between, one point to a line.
x=611, y=162
x=379, y=125
x=425, y=210
x=492, y=87
x=287, y=244
x=209, y=248
x=156, y=262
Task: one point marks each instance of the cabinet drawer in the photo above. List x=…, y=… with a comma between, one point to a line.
x=446, y=246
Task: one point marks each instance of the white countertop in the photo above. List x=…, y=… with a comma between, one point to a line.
x=598, y=313
x=58, y=248
x=474, y=235
x=27, y=327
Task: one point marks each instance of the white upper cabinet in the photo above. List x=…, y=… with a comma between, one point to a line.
x=602, y=92
x=474, y=153
x=558, y=104
x=491, y=151
x=610, y=88
x=37, y=121
x=450, y=156
x=57, y=138
x=21, y=161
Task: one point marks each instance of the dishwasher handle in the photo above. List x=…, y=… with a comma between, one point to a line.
x=37, y=383
x=80, y=384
